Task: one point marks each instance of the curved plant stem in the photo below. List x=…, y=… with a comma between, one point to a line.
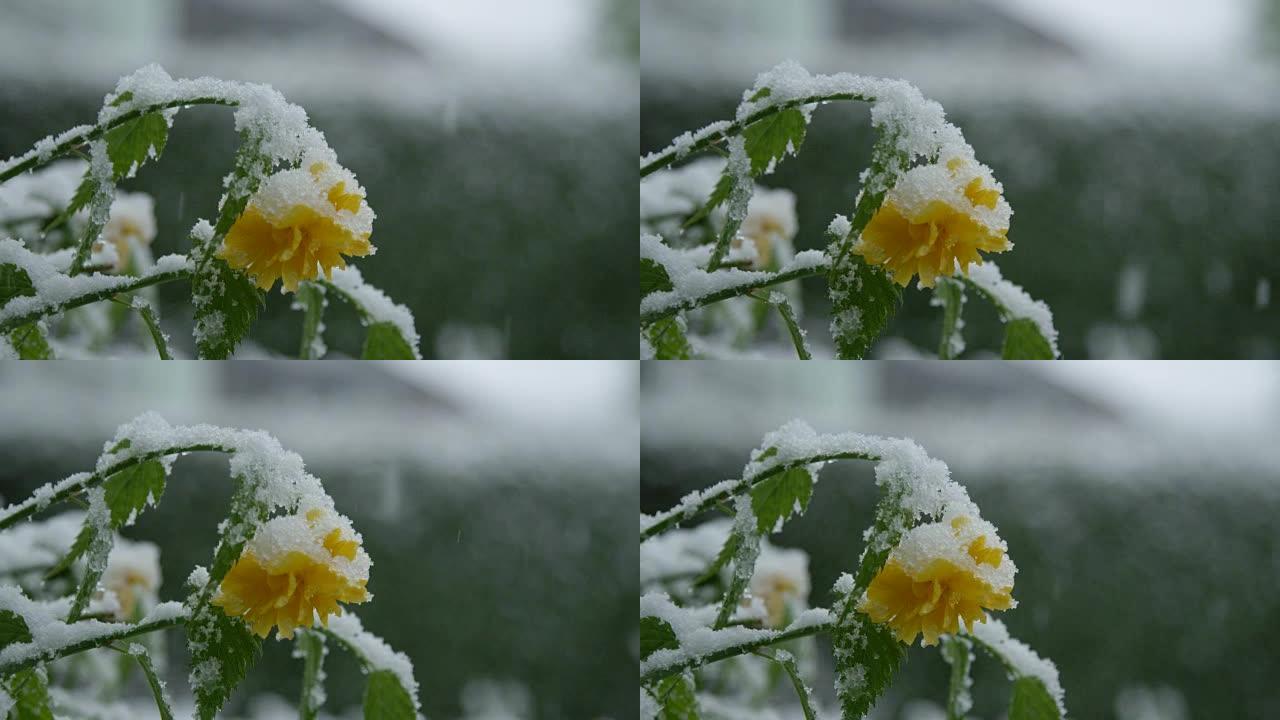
x=747, y=286
x=66, y=490
x=676, y=515
x=671, y=154
x=92, y=297
x=736, y=650
x=71, y=142
x=127, y=631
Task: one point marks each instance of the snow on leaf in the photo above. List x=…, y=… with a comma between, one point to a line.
x=13, y=628
x=132, y=143
x=656, y=634
x=384, y=342
x=131, y=490
x=1023, y=341
x=386, y=699
x=222, y=651
x=1031, y=701
x=773, y=138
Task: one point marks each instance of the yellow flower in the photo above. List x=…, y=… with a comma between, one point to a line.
x=941, y=573
x=936, y=217
x=295, y=568
x=299, y=223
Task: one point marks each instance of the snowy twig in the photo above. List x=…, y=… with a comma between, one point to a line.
x=765, y=639
x=656, y=162
x=723, y=491
x=751, y=281
x=125, y=632
x=77, y=484
x=87, y=298
x=77, y=137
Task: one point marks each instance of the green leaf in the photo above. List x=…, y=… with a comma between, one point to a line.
x=677, y=698
x=386, y=699
x=30, y=343
x=668, y=339
x=655, y=635
x=726, y=554
x=226, y=304
x=14, y=282
x=384, y=342
x=78, y=548
x=131, y=144
x=721, y=193
x=653, y=277
x=222, y=652
x=13, y=629
x=131, y=490
x=746, y=551
x=863, y=299
x=29, y=690
x=867, y=656
x=774, y=137
x=1023, y=341
x=1031, y=701
x=246, y=514
x=779, y=497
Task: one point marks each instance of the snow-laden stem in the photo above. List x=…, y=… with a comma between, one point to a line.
x=75, y=140
x=93, y=297
x=672, y=154
x=735, y=650
x=648, y=318
x=666, y=520
x=101, y=641
x=32, y=505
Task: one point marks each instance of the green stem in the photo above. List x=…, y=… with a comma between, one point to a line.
x=311, y=297
x=797, y=336
x=94, y=296
x=102, y=641
x=76, y=140
x=312, y=646
x=30, y=506
x=672, y=155
x=157, y=689
x=747, y=286
x=710, y=500
x=951, y=295
x=743, y=649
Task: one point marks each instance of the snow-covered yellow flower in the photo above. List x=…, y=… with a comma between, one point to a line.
x=940, y=574
x=300, y=222
x=937, y=217
x=296, y=568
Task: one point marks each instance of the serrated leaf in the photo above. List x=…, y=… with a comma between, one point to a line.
x=78, y=548
x=867, y=657
x=1023, y=341
x=386, y=699
x=668, y=339
x=131, y=490
x=226, y=304
x=29, y=691
x=14, y=282
x=246, y=514
x=132, y=143
x=726, y=554
x=222, y=652
x=653, y=277
x=863, y=299
x=384, y=342
x=13, y=629
x=677, y=698
x=774, y=137
x=778, y=497
x=30, y=343
x=656, y=634
x=1031, y=701
x=718, y=195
